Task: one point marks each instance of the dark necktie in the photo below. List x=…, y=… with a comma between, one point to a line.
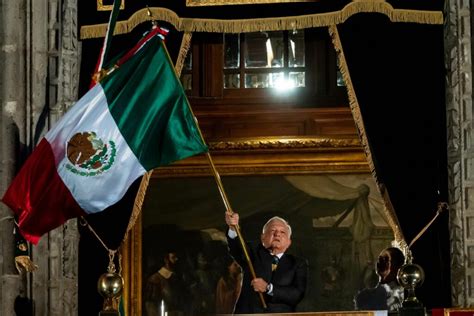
x=275, y=261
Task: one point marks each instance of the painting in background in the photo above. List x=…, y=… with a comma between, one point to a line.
x=338, y=226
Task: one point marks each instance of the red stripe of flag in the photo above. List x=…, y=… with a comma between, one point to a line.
x=38, y=187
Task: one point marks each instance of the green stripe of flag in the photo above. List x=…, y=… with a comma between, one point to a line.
x=150, y=108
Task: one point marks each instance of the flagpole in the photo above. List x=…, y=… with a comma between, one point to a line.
x=98, y=73
x=220, y=186
x=229, y=209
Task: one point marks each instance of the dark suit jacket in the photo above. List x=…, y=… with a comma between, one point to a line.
x=289, y=280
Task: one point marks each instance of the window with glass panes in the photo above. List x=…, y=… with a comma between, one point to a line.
x=294, y=68
x=264, y=60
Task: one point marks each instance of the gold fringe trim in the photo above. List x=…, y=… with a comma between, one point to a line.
x=139, y=199
x=183, y=52
x=356, y=113
x=264, y=24
x=25, y=264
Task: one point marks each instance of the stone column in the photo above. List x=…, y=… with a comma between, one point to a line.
x=458, y=60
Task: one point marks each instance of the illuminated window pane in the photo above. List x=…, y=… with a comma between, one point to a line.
x=296, y=50
x=187, y=81
x=256, y=80
x=281, y=51
x=255, y=50
x=276, y=80
x=232, y=81
x=264, y=50
x=271, y=80
x=231, y=51
x=297, y=79
x=276, y=49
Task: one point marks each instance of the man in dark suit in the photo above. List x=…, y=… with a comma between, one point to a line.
x=280, y=277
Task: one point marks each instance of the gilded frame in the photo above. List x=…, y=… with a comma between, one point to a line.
x=253, y=156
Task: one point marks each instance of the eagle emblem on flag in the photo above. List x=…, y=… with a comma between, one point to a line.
x=89, y=155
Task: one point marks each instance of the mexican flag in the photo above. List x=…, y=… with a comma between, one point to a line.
x=136, y=119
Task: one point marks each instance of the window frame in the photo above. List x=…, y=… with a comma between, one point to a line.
x=321, y=88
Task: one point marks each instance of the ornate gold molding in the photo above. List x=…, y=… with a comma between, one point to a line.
x=275, y=155
x=285, y=143
x=322, y=168
x=108, y=7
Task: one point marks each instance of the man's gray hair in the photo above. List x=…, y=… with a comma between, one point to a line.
x=277, y=218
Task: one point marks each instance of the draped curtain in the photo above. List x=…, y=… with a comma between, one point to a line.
x=325, y=187
x=349, y=201
x=396, y=89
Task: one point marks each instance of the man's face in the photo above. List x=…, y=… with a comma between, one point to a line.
x=276, y=237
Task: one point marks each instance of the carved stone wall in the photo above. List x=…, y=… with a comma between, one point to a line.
x=39, y=62
x=54, y=287
x=67, y=94
x=458, y=61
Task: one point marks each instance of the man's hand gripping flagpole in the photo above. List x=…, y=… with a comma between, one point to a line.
x=230, y=211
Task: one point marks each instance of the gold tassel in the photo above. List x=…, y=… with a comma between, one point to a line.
x=183, y=52
x=265, y=24
x=139, y=199
x=24, y=264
